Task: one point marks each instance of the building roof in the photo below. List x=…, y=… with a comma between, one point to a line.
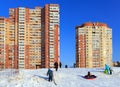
x=92, y=24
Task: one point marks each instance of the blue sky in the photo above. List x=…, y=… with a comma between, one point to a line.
x=73, y=13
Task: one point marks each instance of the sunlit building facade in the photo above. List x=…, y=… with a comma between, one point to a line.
x=4, y=41
x=93, y=45
x=50, y=29
x=31, y=37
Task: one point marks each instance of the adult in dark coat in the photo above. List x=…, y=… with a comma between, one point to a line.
x=50, y=74
x=60, y=64
x=56, y=66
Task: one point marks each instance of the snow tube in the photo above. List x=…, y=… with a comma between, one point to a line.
x=90, y=77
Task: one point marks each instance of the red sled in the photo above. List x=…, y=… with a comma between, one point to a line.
x=90, y=77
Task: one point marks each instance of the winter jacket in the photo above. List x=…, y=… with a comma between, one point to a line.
x=106, y=67
x=56, y=65
x=50, y=73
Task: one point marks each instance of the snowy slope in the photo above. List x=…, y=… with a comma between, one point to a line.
x=70, y=77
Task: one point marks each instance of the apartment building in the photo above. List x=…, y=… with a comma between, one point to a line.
x=93, y=45
x=50, y=47
x=4, y=37
x=30, y=38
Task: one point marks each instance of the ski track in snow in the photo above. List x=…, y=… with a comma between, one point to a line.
x=70, y=77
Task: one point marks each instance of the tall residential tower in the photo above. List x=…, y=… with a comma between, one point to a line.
x=30, y=37
x=50, y=33
x=93, y=45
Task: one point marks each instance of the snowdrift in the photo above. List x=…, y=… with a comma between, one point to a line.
x=64, y=77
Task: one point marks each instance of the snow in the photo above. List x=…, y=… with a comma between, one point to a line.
x=64, y=77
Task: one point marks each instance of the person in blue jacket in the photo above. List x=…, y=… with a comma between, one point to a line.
x=107, y=69
x=50, y=74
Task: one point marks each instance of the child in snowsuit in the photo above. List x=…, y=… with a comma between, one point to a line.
x=88, y=76
x=110, y=71
x=50, y=74
x=107, y=69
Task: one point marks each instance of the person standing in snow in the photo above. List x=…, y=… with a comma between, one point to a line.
x=56, y=66
x=110, y=71
x=50, y=74
x=107, y=69
x=66, y=66
x=60, y=64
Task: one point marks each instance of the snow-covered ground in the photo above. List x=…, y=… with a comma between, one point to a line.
x=70, y=77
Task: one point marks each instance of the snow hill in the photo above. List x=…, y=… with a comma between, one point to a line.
x=70, y=77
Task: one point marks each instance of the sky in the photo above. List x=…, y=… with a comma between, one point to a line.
x=73, y=13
